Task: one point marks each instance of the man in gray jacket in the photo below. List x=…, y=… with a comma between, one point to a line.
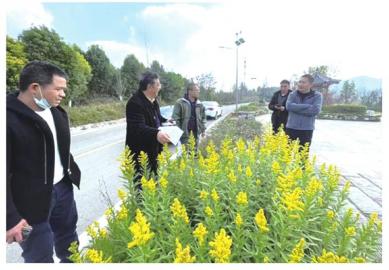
x=303, y=105
x=189, y=114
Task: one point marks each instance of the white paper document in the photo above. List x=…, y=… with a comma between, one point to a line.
x=174, y=133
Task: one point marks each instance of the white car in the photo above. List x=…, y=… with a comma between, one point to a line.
x=167, y=111
x=212, y=109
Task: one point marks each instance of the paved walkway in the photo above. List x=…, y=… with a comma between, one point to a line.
x=356, y=149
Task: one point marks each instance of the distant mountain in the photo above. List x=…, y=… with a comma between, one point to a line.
x=362, y=83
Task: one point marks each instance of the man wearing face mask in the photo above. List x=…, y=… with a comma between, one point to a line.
x=40, y=168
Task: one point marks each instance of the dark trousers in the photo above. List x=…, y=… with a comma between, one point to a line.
x=58, y=232
x=277, y=120
x=304, y=136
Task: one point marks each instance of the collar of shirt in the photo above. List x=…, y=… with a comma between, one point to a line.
x=149, y=99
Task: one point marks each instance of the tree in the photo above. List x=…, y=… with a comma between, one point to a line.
x=16, y=59
x=372, y=99
x=348, y=93
x=173, y=86
x=131, y=72
x=102, y=72
x=323, y=70
x=46, y=45
x=207, y=84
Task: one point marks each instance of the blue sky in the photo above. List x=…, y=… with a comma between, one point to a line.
x=283, y=38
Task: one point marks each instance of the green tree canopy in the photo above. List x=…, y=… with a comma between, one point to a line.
x=131, y=71
x=16, y=58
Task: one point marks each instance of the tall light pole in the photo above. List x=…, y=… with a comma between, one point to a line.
x=239, y=41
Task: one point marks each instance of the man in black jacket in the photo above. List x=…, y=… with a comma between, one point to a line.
x=278, y=106
x=143, y=120
x=40, y=168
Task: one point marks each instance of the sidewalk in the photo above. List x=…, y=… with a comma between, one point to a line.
x=355, y=148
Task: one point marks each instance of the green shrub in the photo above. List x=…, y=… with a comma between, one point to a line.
x=345, y=109
x=96, y=113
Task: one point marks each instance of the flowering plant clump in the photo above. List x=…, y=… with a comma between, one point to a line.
x=256, y=201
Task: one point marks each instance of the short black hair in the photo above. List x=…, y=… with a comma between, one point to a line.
x=285, y=81
x=147, y=78
x=191, y=86
x=40, y=72
x=309, y=77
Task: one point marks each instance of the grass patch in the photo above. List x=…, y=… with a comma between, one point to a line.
x=95, y=113
x=234, y=128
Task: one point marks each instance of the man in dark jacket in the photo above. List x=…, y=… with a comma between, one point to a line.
x=40, y=168
x=278, y=106
x=143, y=120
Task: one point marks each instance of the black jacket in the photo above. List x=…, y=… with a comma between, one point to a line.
x=30, y=161
x=278, y=117
x=142, y=128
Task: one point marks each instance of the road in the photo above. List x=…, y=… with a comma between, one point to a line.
x=96, y=151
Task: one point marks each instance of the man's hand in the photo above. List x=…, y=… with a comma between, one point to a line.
x=277, y=107
x=15, y=234
x=163, y=137
x=282, y=108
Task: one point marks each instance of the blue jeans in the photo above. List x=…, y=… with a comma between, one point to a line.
x=58, y=232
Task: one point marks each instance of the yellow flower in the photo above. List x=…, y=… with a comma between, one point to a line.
x=122, y=194
x=261, y=221
x=240, y=170
x=258, y=182
x=350, y=231
x=140, y=230
x=241, y=198
x=163, y=182
x=91, y=231
x=240, y=145
x=292, y=201
x=179, y=211
x=249, y=173
x=183, y=255
x=314, y=186
x=373, y=219
x=359, y=260
x=182, y=165
x=103, y=232
x=231, y=176
x=221, y=247
x=238, y=220
x=266, y=259
x=95, y=256
x=200, y=232
x=330, y=214
x=347, y=186
x=191, y=174
x=149, y=185
x=208, y=211
x=329, y=257
x=108, y=212
x=214, y=195
x=123, y=212
x=203, y=195
x=276, y=168
x=298, y=252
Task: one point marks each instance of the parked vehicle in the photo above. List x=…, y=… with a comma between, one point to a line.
x=212, y=109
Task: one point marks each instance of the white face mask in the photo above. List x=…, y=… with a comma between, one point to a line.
x=42, y=103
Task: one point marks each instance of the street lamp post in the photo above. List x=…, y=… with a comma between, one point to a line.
x=239, y=41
